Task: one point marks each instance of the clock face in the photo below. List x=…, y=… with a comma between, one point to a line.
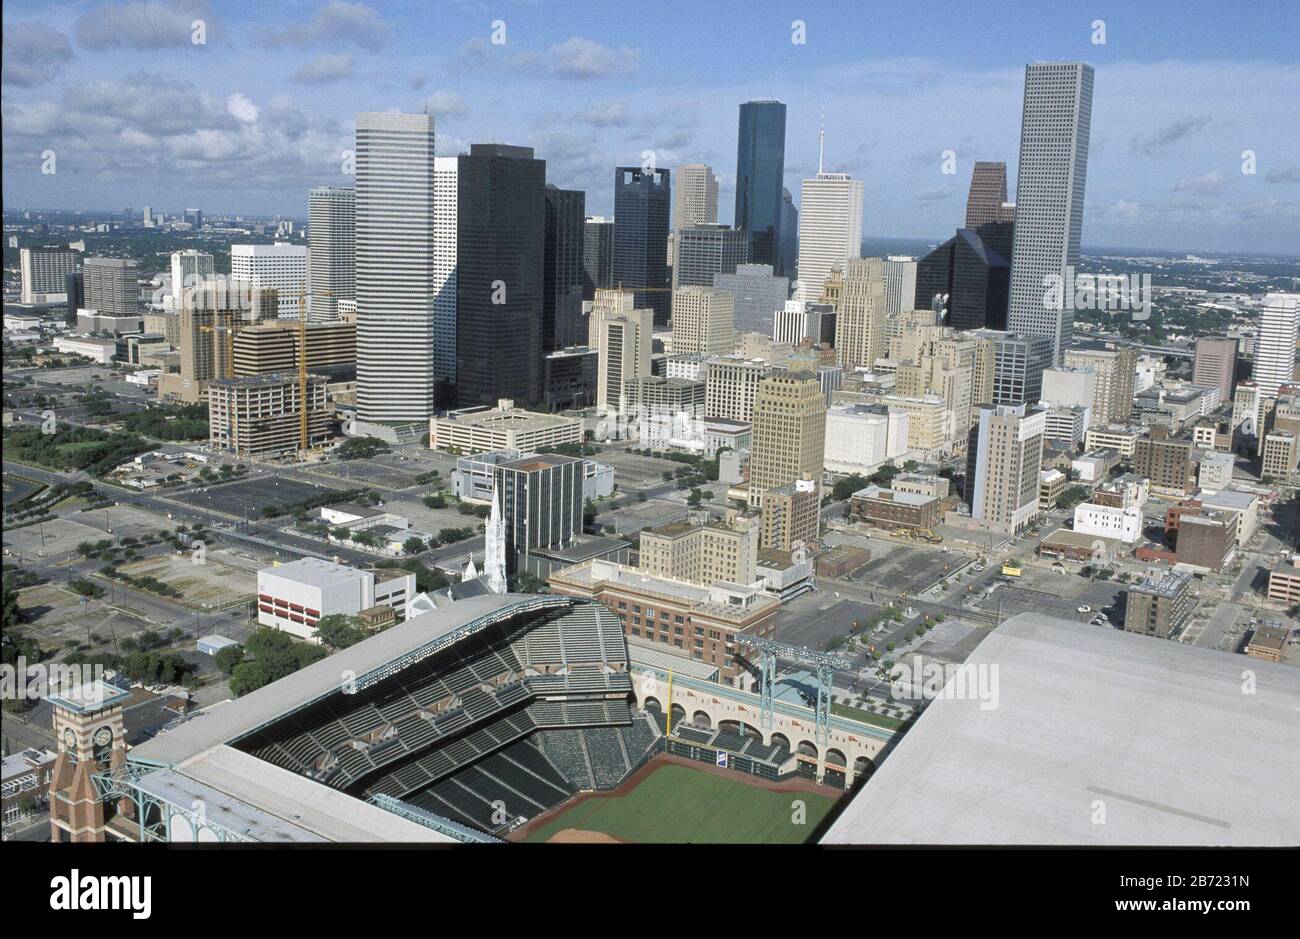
x=69, y=739
x=103, y=737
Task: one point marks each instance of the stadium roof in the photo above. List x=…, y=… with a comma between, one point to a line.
x=1168, y=740
x=418, y=636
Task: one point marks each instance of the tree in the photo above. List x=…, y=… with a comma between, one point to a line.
x=435, y=500
x=228, y=659
x=847, y=486
x=339, y=631
x=413, y=545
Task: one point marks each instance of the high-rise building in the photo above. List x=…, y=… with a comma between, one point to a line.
x=563, y=279
x=789, y=435
x=281, y=267
x=731, y=386
x=1116, y=369
x=1215, y=365
x=272, y=346
x=190, y=268
x=704, y=251
x=697, y=196
x=703, y=320
x=830, y=229
x=988, y=193
x=717, y=552
x=758, y=293
x=1003, y=465
x=1018, y=364
x=331, y=233
x=970, y=278
x=760, y=174
x=621, y=334
x=500, y=275
x=1275, y=346
x=541, y=505
x=788, y=258
x=446, y=236
x=395, y=283
x=900, y=284
x=597, y=255
x=1053, y=168
x=261, y=415
x=860, y=316
x=112, y=286
x=791, y=516
x=42, y=271
x=797, y=321
x=641, y=209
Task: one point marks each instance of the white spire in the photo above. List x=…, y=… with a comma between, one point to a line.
x=494, y=545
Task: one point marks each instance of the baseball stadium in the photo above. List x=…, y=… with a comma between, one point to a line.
x=497, y=718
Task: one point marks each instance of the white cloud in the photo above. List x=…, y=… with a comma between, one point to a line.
x=143, y=25
x=324, y=69
x=34, y=54
x=242, y=109
x=338, y=24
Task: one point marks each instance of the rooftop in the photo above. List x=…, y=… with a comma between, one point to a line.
x=315, y=572
x=1156, y=734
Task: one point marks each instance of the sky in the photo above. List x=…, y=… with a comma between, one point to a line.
x=136, y=112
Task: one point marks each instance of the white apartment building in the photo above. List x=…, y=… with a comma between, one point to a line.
x=281, y=267
x=1106, y=521
x=1279, y=327
x=861, y=437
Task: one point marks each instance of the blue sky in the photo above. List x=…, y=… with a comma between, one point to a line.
x=136, y=113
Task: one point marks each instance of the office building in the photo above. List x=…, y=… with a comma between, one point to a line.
x=967, y=279
x=889, y=508
x=569, y=378
x=860, y=315
x=788, y=257
x=1275, y=347
x=791, y=516
x=760, y=175
x=1166, y=461
x=731, y=386
x=1003, y=466
x=798, y=321
x=1115, y=367
x=704, y=251
x=295, y=596
x=789, y=434
x=42, y=273
x=541, y=500
x=190, y=268
x=597, y=255
x=900, y=284
x=1215, y=364
x=396, y=286
x=1160, y=605
x=830, y=229
x=272, y=346
x=703, y=321
x=1050, y=178
x=697, y=197
x=758, y=294
x=261, y=415
x=723, y=551
x=621, y=334
x=331, y=252
x=1018, y=365
x=562, y=296
x=988, y=193
x=641, y=210
x=280, y=267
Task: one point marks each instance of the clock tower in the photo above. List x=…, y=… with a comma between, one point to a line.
x=91, y=736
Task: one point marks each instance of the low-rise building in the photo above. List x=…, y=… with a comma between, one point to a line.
x=791, y=516
x=1284, y=582
x=97, y=350
x=725, y=550
x=504, y=427
x=295, y=596
x=1244, y=504
x=1214, y=470
x=1267, y=643
x=889, y=508
x=690, y=620
x=1117, y=437
x=1051, y=485
x=1159, y=606
x=1123, y=523
x=1094, y=465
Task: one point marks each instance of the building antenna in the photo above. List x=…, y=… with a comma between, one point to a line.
x=821, y=143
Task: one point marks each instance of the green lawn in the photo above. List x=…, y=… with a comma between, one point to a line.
x=678, y=804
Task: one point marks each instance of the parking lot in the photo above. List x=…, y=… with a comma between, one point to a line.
x=816, y=618
x=252, y=495
x=649, y=514
x=396, y=470
x=633, y=471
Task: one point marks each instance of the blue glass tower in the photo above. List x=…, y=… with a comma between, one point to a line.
x=760, y=171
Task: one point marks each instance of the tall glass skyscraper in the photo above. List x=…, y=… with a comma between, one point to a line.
x=1054, y=134
x=331, y=257
x=641, y=213
x=760, y=171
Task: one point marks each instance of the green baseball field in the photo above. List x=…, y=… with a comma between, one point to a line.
x=678, y=804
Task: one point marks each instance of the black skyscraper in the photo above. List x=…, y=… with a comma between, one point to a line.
x=641, y=211
x=760, y=172
x=974, y=276
x=562, y=299
x=501, y=233
x=597, y=255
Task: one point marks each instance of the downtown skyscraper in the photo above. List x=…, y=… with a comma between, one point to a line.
x=760, y=171
x=500, y=275
x=830, y=229
x=395, y=285
x=641, y=208
x=697, y=196
x=1054, y=132
x=331, y=257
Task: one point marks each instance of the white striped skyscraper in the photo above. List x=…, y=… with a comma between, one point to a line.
x=1279, y=327
x=395, y=292
x=1054, y=130
x=331, y=258
x=830, y=228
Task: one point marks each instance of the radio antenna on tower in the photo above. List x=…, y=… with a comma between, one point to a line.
x=821, y=143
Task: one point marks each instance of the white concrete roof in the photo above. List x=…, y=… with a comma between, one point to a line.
x=1168, y=740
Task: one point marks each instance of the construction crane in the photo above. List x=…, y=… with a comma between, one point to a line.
x=825, y=664
x=303, y=294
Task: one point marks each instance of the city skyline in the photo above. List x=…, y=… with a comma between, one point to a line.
x=258, y=130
